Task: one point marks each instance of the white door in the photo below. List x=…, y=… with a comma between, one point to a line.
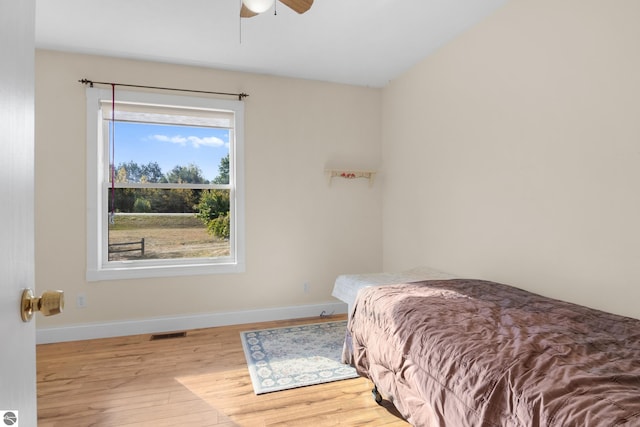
x=17, y=338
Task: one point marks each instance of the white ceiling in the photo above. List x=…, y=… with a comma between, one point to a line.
x=360, y=42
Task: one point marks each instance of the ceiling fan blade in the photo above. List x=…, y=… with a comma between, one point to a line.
x=245, y=12
x=300, y=6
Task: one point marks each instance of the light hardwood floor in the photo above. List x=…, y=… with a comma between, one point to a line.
x=198, y=380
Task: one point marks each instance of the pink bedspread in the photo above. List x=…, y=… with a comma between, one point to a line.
x=476, y=353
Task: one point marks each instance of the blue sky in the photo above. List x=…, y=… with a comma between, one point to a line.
x=171, y=146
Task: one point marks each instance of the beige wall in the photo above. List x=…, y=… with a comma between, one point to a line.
x=513, y=153
x=299, y=229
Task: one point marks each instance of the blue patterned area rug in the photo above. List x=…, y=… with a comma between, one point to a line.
x=296, y=356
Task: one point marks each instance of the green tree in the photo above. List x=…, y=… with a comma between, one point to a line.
x=214, y=205
x=124, y=197
x=183, y=200
x=151, y=172
x=133, y=172
x=156, y=200
x=223, y=171
x=180, y=200
x=213, y=210
x=142, y=205
x=220, y=226
x=186, y=174
x=128, y=172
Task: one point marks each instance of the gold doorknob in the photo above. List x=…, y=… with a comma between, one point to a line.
x=50, y=303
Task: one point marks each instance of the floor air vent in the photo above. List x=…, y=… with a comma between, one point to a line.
x=167, y=336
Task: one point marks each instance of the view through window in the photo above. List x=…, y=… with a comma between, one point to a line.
x=166, y=170
x=170, y=195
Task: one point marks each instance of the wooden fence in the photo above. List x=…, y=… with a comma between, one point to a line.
x=115, y=248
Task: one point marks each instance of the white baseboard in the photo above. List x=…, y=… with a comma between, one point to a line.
x=180, y=323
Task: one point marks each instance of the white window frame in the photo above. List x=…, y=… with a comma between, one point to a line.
x=98, y=268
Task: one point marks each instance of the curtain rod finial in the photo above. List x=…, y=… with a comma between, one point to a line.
x=85, y=81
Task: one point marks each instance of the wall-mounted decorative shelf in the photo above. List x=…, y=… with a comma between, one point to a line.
x=350, y=174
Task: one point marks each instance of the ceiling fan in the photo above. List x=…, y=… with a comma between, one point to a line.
x=255, y=7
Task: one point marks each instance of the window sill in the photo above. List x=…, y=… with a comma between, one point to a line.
x=143, y=272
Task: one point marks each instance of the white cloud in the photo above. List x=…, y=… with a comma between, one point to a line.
x=195, y=141
x=210, y=141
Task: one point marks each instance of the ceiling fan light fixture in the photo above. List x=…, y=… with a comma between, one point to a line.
x=258, y=6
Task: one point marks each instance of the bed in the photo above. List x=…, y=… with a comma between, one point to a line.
x=347, y=286
x=461, y=352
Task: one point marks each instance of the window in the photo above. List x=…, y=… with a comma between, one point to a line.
x=164, y=185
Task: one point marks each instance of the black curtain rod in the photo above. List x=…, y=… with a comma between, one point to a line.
x=240, y=96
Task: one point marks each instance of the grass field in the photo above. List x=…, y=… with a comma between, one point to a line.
x=165, y=236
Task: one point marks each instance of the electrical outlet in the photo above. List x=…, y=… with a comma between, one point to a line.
x=306, y=287
x=81, y=300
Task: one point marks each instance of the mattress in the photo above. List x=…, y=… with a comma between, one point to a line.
x=346, y=286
